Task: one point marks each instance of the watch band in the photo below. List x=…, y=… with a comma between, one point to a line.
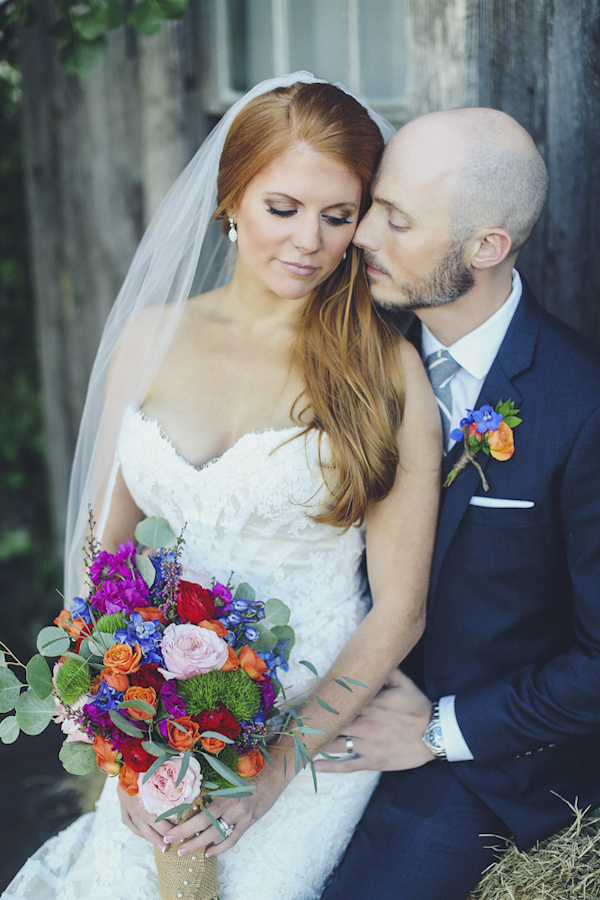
x=433, y=737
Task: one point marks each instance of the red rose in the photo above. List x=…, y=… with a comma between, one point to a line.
x=148, y=676
x=194, y=603
x=135, y=756
x=219, y=720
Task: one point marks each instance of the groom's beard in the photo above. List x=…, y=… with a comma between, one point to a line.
x=450, y=279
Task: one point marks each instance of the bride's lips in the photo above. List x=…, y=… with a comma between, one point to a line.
x=298, y=268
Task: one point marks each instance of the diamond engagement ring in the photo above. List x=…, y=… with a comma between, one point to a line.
x=349, y=745
x=227, y=829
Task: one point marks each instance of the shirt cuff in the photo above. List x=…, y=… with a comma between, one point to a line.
x=457, y=749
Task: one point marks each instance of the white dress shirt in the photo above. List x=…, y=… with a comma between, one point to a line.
x=475, y=353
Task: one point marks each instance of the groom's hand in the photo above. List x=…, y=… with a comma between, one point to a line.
x=387, y=732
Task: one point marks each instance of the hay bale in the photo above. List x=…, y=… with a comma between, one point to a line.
x=565, y=866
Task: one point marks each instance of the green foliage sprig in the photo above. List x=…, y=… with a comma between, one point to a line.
x=81, y=27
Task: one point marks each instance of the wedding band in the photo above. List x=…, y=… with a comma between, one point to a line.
x=227, y=829
x=349, y=745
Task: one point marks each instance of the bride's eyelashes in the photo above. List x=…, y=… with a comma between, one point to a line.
x=286, y=213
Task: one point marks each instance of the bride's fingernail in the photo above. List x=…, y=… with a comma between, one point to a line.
x=168, y=839
x=182, y=851
x=163, y=849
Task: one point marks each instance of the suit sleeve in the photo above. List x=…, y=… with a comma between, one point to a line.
x=539, y=705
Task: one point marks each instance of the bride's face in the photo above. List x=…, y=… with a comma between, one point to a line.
x=296, y=218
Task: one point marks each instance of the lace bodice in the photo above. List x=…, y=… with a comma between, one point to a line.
x=248, y=512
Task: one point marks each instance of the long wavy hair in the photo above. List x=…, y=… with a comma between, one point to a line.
x=346, y=348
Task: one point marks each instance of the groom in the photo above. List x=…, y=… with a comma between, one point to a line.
x=495, y=715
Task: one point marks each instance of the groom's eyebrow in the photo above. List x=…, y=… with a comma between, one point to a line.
x=391, y=205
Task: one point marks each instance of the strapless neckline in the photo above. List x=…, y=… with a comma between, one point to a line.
x=247, y=436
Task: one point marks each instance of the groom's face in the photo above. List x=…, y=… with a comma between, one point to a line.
x=412, y=260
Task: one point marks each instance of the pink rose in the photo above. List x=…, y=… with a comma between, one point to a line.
x=158, y=793
x=191, y=650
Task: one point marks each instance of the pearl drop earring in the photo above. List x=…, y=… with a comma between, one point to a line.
x=232, y=233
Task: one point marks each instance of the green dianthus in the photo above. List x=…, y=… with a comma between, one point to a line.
x=235, y=690
x=110, y=623
x=73, y=680
x=229, y=757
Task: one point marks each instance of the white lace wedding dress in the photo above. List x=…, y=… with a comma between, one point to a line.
x=244, y=512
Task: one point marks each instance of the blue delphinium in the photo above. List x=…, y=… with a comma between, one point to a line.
x=147, y=634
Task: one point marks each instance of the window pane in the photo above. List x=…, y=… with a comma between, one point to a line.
x=251, y=42
x=317, y=37
x=382, y=48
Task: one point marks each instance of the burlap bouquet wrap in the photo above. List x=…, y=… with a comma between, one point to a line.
x=190, y=877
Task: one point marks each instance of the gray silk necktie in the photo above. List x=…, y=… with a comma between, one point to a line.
x=442, y=368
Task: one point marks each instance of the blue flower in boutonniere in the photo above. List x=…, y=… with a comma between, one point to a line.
x=487, y=429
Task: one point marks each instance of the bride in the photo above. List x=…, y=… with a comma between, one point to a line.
x=278, y=415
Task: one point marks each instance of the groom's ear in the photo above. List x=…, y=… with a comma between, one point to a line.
x=490, y=247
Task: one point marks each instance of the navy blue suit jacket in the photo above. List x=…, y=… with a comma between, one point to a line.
x=514, y=608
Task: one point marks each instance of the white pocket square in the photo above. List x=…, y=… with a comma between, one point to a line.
x=499, y=503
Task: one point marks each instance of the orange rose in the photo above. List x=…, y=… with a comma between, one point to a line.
x=212, y=745
x=151, y=612
x=250, y=763
x=183, y=740
x=128, y=780
x=214, y=625
x=96, y=684
x=148, y=694
x=502, y=445
x=75, y=628
x=106, y=757
x=115, y=679
x=252, y=664
x=232, y=663
x=121, y=659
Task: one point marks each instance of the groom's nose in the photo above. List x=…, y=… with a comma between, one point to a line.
x=364, y=236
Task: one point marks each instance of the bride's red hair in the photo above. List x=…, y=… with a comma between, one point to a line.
x=346, y=348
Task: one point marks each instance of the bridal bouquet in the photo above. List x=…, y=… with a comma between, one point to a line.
x=168, y=685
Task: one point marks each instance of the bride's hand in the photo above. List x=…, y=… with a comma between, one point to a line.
x=239, y=814
x=141, y=822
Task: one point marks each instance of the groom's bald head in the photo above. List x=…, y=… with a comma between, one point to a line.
x=455, y=197
x=494, y=172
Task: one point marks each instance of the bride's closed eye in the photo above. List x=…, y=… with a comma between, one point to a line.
x=286, y=213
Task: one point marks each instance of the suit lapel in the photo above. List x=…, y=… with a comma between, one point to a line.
x=515, y=355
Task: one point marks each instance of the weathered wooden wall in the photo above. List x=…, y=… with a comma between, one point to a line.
x=100, y=156
x=540, y=62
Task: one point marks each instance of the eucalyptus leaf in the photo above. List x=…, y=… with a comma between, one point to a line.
x=224, y=770
x=245, y=592
x=53, y=641
x=157, y=749
x=10, y=688
x=9, y=730
x=39, y=676
x=174, y=811
x=146, y=569
x=214, y=821
x=266, y=640
x=125, y=724
x=354, y=681
x=277, y=612
x=101, y=641
x=231, y=792
x=309, y=665
x=77, y=757
x=285, y=635
x=327, y=706
x=183, y=768
x=3, y=659
x=33, y=714
x=304, y=729
x=173, y=9
x=156, y=765
x=220, y=737
x=342, y=684
x=141, y=705
x=297, y=758
x=154, y=532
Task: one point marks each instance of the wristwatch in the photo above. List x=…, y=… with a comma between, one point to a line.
x=433, y=738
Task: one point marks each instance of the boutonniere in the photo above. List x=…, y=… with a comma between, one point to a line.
x=487, y=429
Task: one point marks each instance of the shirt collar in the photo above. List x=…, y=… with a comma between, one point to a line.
x=476, y=351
